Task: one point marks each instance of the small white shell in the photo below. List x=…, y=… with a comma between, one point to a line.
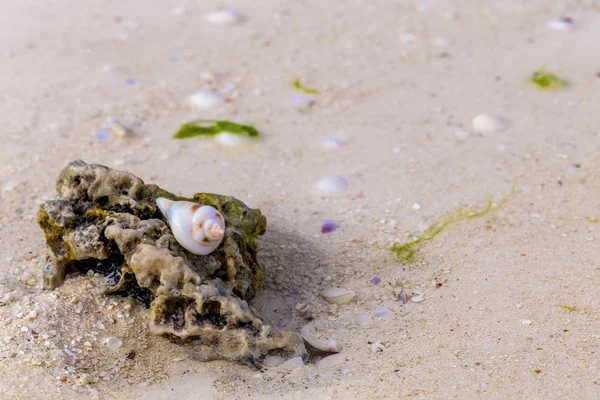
x=333, y=185
x=487, y=123
x=205, y=99
x=228, y=139
x=223, y=17
x=199, y=229
x=338, y=296
x=561, y=24
x=330, y=345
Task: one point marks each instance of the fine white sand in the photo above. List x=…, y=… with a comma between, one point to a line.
x=400, y=83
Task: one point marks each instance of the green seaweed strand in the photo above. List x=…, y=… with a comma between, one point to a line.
x=406, y=251
x=547, y=80
x=298, y=85
x=208, y=127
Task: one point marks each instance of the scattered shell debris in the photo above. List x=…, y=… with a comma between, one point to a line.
x=338, y=296
x=292, y=364
x=383, y=312
x=488, y=123
x=363, y=319
x=302, y=308
x=417, y=298
x=224, y=17
x=274, y=361
x=331, y=361
x=377, y=347
x=330, y=345
x=303, y=102
x=332, y=185
x=113, y=343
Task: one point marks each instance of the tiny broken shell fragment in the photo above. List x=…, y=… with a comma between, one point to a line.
x=330, y=345
x=338, y=296
x=110, y=222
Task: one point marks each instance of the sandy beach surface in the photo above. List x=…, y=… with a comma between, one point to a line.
x=504, y=306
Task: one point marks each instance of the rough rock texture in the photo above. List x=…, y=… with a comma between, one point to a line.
x=108, y=221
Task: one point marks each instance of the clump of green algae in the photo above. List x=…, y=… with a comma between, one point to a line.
x=298, y=85
x=208, y=127
x=547, y=80
x=406, y=252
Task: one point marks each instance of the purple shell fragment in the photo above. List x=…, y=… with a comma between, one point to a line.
x=375, y=280
x=329, y=226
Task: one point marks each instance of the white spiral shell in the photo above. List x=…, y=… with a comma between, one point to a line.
x=199, y=229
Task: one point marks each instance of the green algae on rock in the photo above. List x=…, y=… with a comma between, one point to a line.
x=108, y=221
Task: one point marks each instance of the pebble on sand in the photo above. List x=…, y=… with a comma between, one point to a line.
x=223, y=17
x=332, y=185
x=205, y=99
x=488, y=123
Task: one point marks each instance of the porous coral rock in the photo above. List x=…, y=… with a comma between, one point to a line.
x=108, y=221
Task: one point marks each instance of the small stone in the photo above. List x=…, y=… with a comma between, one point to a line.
x=74, y=300
x=32, y=315
x=113, y=343
x=416, y=206
x=487, y=123
x=36, y=362
x=526, y=321
x=100, y=325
